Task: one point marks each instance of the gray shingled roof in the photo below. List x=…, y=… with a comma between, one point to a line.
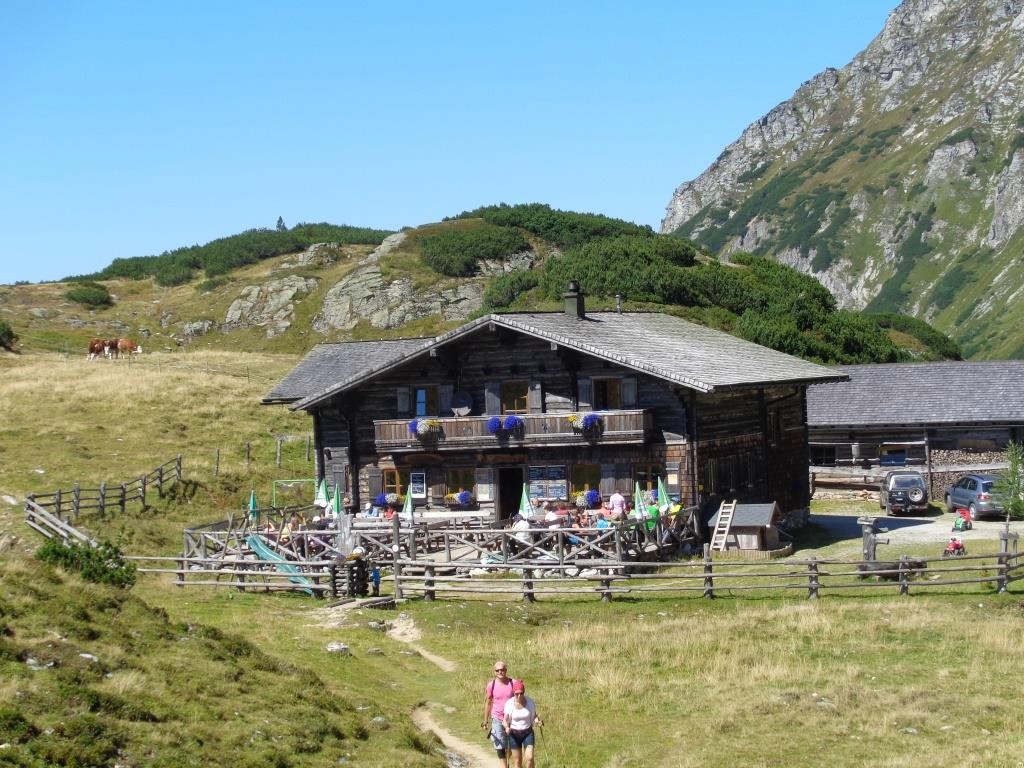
x=920, y=393
x=327, y=364
x=749, y=515
x=667, y=347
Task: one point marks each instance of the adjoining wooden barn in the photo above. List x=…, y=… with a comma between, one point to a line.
x=901, y=414
x=564, y=402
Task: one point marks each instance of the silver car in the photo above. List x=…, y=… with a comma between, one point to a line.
x=974, y=493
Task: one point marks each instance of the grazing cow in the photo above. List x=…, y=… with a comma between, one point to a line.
x=112, y=348
x=98, y=347
x=128, y=347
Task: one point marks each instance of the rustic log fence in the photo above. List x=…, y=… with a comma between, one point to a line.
x=704, y=576
x=69, y=504
x=249, y=573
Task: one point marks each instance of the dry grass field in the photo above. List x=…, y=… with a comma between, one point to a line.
x=214, y=677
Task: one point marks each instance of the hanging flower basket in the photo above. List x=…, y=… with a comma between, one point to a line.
x=424, y=427
x=592, y=498
x=513, y=423
x=494, y=425
x=588, y=424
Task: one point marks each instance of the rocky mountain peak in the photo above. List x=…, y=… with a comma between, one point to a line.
x=892, y=178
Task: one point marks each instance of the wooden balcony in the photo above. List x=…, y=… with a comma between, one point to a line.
x=460, y=433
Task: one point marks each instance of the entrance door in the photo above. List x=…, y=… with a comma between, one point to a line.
x=510, y=491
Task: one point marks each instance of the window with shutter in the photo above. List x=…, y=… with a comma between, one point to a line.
x=374, y=482
x=629, y=392
x=444, y=393
x=583, y=390
x=403, y=403
x=492, y=398
x=535, y=397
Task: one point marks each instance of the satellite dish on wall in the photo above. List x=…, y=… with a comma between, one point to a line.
x=462, y=403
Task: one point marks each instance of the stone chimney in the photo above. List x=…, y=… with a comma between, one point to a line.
x=574, y=301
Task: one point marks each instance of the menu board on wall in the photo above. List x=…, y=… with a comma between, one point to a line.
x=548, y=482
x=418, y=485
x=482, y=478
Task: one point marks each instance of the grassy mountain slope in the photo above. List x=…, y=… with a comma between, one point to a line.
x=896, y=181
x=501, y=257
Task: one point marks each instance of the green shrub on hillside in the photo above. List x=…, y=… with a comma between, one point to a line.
x=641, y=268
x=103, y=564
x=91, y=294
x=506, y=288
x=220, y=256
x=8, y=338
x=941, y=346
x=455, y=252
x=566, y=229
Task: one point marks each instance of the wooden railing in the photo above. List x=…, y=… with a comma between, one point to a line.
x=75, y=500
x=539, y=429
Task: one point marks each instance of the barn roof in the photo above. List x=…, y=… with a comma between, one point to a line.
x=920, y=394
x=663, y=346
x=750, y=515
x=326, y=364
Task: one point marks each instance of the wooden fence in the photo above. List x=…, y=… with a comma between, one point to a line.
x=708, y=577
x=71, y=503
x=51, y=526
x=246, y=572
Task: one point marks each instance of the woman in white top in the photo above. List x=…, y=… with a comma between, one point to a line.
x=520, y=717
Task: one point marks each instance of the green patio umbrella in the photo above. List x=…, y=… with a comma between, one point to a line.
x=336, y=501
x=407, y=508
x=321, y=495
x=525, y=507
x=253, y=506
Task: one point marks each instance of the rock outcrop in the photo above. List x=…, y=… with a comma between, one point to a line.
x=270, y=306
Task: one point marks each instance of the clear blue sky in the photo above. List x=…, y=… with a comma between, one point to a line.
x=130, y=128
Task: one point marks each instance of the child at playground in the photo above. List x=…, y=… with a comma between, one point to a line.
x=498, y=691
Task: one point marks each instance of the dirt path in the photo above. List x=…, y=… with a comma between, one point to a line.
x=468, y=755
x=474, y=755
x=404, y=630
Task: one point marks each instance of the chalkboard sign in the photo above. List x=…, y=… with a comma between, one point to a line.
x=418, y=485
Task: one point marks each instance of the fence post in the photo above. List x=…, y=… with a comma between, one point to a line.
x=812, y=578
x=428, y=582
x=528, y=595
x=142, y=489
x=904, y=575
x=180, y=576
x=216, y=463
x=1004, y=548
x=309, y=440
x=709, y=580
x=248, y=453
x=606, y=587
x=76, y=499
x=124, y=493
x=177, y=467
x=160, y=481
x=396, y=550
x=57, y=503
x=277, y=452
x=447, y=547
x=333, y=570
x=103, y=499
x=618, y=543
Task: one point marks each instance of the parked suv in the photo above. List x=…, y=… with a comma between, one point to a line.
x=903, y=490
x=974, y=493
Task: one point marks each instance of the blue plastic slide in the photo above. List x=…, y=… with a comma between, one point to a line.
x=263, y=552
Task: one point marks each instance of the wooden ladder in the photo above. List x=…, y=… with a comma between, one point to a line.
x=725, y=513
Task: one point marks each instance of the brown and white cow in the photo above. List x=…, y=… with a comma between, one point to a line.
x=112, y=348
x=128, y=347
x=98, y=347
